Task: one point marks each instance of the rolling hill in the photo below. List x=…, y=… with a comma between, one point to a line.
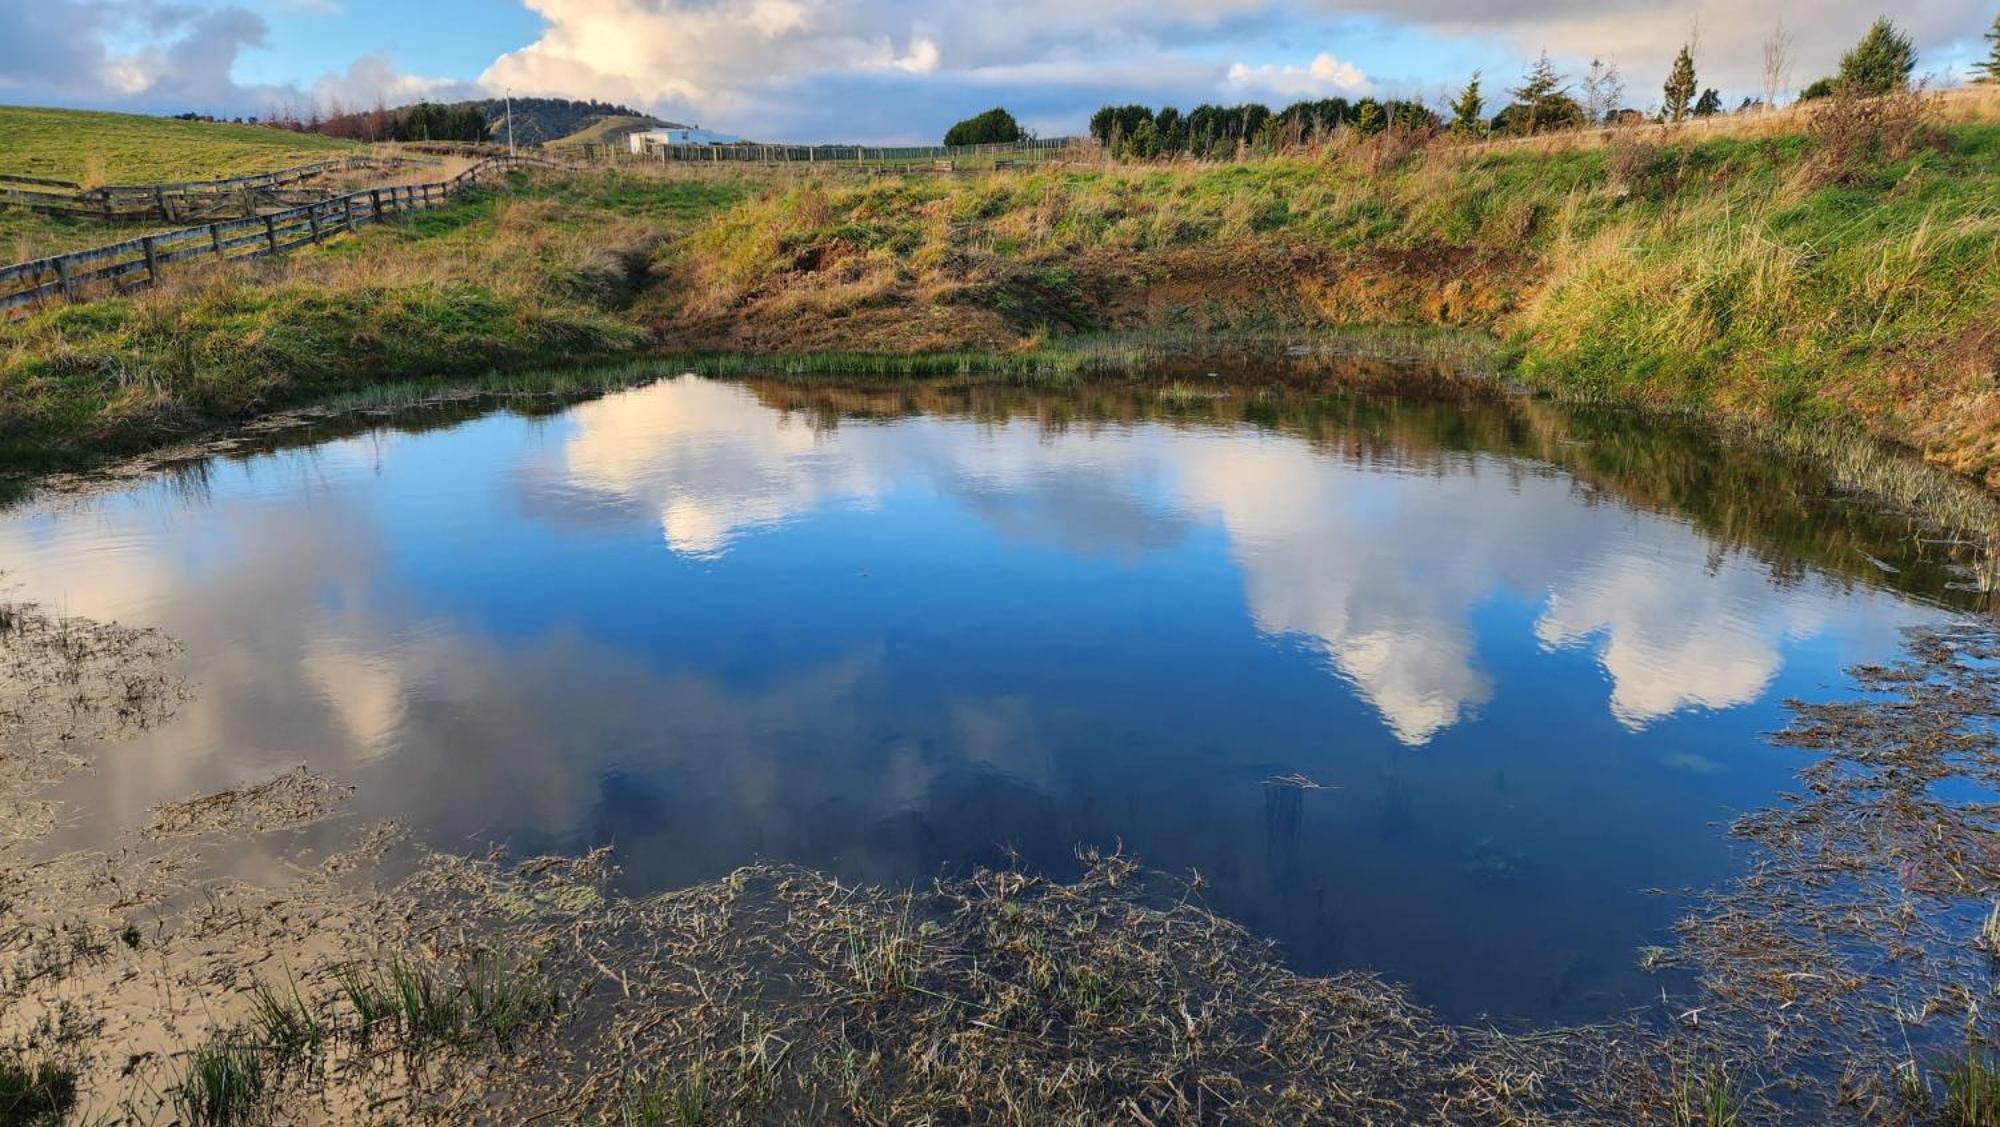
x=539, y=121
x=89, y=147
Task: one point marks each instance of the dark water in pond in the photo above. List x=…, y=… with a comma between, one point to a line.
x=1528, y=656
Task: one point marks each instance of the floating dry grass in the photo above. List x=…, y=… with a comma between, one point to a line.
x=298, y=797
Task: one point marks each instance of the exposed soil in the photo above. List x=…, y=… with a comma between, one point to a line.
x=849, y=302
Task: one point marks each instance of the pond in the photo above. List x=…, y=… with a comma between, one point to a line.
x=1458, y=688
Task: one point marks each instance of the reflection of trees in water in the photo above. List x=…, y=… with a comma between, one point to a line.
x=1788, y=514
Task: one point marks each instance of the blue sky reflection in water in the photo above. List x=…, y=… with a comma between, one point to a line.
x=888, y=633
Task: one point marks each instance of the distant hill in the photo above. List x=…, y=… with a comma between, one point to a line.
x=611, y=129
x=538, y=121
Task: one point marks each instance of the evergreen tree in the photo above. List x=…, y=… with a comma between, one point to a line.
x=1542, y=100
x=1144, y=143
x=994, y=127
x=1680, y=88
x=1882, y=62
x=1468, y=113
x=1989, y=70
x=1710, y=103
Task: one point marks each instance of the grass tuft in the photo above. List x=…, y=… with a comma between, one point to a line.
x=288, y=1026
x=224, y=1083
x=1972, y=1088
x=35, y=1092
x=1705, y=1098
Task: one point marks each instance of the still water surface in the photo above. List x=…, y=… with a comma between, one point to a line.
x=1528, y=658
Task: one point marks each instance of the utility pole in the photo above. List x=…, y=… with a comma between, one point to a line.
x=510, y=123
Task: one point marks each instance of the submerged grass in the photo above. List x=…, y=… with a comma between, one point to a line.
x=34, y=1092
x=1972, y=1088
x=1705, y=1097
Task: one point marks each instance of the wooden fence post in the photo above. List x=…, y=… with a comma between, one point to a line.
x=62, y=278
x=160, y=200
x=312, y=220
x=376, y=195
x=152, y=259
x=348, y=204
x=215, y=238
x=271, y=232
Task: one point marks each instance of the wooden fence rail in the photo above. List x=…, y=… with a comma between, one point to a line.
x=140, y=262
x=171, y=201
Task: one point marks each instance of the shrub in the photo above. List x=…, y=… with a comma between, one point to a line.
x=1634, y=165
x=994, y=127
x=1854, y=135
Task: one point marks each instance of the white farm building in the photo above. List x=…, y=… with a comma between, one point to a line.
x=679, y=135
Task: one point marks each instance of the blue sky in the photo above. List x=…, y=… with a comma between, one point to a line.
x=893, y=70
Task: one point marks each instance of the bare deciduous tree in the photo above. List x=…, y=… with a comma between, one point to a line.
x=1778, y=55
x=1603, y=91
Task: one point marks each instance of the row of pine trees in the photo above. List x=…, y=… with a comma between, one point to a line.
x=1883, y=61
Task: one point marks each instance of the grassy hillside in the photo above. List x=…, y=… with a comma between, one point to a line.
x=112, y=148
x=1845, y=277
x=1851, y=277
x=543, y=274
x=28, y=234
x=611, y=129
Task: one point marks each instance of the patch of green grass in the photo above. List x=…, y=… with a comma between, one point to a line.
x=502, y=999
x=34, y=1092
x=1705, y=1098
x=288, y=1025
x=374, y=1003
x=885, y=959
x=26, y=235
x=690, y=1100
x=428, y=1007
x=224, y=1083
x=89, y=147
x=1972, y=1088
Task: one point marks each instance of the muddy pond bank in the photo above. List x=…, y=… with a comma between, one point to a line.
x=184, y=938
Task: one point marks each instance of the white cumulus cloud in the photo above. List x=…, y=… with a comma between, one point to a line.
x=1324, y=77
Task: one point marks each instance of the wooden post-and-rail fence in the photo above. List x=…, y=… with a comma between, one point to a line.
x=171, y=201
x=140, y=262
